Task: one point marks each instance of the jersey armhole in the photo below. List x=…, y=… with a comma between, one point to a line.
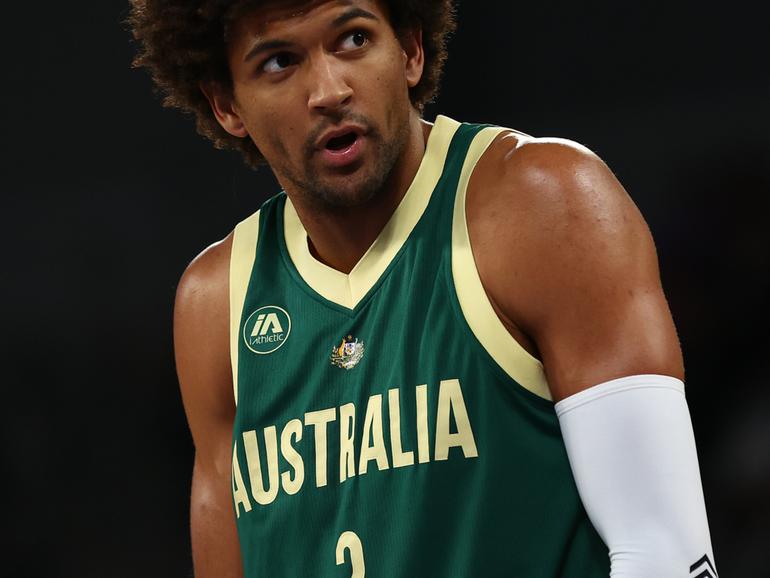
x=478, y=312
x=242, y=255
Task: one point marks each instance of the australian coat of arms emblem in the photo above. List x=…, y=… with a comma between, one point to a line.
x=348, y=353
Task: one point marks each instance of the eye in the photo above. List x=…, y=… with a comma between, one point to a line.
x=353, y=40
x=278, y=62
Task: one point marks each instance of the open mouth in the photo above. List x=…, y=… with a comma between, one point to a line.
x=339, y=143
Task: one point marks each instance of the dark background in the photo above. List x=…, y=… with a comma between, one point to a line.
x=106, y=197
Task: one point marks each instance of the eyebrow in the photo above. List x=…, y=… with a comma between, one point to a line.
x=266, y=46
x=269, y=45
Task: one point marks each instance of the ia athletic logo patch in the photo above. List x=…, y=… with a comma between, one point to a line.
x=267, y=329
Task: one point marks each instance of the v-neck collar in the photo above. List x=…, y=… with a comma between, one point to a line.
x=347, y=290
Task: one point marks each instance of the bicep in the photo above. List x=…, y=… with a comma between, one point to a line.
x=606, y=335
x=605, y=315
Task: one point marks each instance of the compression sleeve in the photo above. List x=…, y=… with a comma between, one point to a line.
x=632, y=451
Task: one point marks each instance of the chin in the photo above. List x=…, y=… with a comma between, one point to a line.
x=347, y=190
x=347, y=194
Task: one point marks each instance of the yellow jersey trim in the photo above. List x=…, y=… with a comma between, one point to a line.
x=477, y=310
x=348, y=290
x=242, y=255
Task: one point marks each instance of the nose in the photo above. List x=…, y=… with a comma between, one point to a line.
x=328, y=88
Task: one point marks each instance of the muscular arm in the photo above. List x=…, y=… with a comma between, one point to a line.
x=578, y=284
x=201, y=342
x=578, y=278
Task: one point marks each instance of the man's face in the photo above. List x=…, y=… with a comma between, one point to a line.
x=322, y=88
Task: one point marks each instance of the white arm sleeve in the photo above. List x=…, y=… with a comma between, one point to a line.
x=632, y=451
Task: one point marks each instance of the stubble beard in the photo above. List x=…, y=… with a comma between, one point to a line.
x=365, y=183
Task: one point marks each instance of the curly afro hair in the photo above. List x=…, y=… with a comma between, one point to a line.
x=183, y=44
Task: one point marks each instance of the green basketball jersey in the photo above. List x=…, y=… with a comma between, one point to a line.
x=387, y=424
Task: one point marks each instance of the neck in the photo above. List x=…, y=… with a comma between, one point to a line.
x=339, y=237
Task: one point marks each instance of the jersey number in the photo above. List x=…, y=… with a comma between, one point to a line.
x=350, y=541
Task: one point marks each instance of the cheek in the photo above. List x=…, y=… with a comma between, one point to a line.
x=270, y=127
x=394, y=81
x=383, y=86
x=393, y=76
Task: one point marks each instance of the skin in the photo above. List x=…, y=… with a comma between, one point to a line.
x=562, y=251
x=577, y=283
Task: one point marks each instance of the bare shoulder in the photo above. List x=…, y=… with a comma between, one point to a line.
x=201, y=309
x=567, y=258
x=556, y=182
x=553, y=200
x=201, y=335
x=206, y=278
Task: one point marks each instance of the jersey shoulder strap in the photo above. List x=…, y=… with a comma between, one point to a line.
x=242, y=255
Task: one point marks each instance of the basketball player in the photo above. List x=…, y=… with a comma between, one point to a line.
x=443, y=350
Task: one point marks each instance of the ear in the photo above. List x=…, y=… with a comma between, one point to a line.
x=223, y=106
x=411, y=43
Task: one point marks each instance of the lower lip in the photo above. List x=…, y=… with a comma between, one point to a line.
x=344, y=157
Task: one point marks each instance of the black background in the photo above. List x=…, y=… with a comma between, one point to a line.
x=106, y=197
